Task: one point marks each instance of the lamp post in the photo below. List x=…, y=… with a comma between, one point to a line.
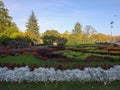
x=111, y=32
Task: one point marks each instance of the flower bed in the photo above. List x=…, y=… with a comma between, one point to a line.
x=13, y=72
x=51, y=75
x=112, y=48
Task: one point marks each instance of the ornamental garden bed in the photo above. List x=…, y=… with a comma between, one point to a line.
x=51, y=75
x=60, y=59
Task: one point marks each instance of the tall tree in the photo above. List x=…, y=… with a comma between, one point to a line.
x=75, y=37
x=11, y=30
x=89, y=31
x=5, y=19
x=77, y=29
x=32, y=28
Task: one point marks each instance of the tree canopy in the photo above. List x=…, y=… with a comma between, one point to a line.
x=7, y=26
x=32, y=28
x=77, y=29
x=9, y=31
x=32, y=25
x=5, y=19
x=51, y=37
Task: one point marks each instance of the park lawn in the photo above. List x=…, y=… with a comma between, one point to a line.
x=31, y=60
x=26, y=59
x=79, y=56
x=60, y=86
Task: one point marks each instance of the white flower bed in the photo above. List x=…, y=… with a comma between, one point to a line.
x=50, y=74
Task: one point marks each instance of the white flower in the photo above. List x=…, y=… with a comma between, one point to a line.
x=50, y=74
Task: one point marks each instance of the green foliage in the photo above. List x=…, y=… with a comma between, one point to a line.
x=32, y=28
x=52, y=36
x=78, y=56
x=4, y=40
x=32, y=24
x=7, y=27
x=5, y=19
x=30, y=60
x=49, y=40
x=62, y=41
x=106, y=57
x=20, y=42
x=11, y=30
x=51, y=33
x=77, y=29
x=74, y=39
x=15, y=42
x=77, y=37
x=27, y=59
x=72, y=85
x=18, y=35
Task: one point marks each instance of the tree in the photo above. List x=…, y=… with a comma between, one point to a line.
x=5, y=19
x=32, y=28
x=51, y=32
x=100, y=38
x=75, y=39
x=66, y=34
x=18, y=35
x=51, y=37
x=11, y=30
x=89, y=31
x=77, y=29
x=50, y=40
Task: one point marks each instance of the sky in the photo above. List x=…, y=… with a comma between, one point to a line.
x=62, y=15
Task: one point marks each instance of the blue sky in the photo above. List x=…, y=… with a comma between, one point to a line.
x=62, y=15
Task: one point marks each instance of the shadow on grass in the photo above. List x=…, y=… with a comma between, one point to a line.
x=60, y=86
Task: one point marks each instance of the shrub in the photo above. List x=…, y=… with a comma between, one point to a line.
x=4, y=41
x=15, y=42
x=29, y=49
x=1, y=50
x=15, y=52
x=20, y=42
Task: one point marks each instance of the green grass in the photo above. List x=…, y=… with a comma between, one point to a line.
x=27, y=59
x=60, y=86
x=30, y=60
x=89, y=48
x=79, y=56
x=116, y=52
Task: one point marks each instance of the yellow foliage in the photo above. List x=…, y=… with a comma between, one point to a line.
x=17, y=34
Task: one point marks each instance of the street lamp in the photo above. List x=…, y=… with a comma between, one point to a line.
x=111, y=32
